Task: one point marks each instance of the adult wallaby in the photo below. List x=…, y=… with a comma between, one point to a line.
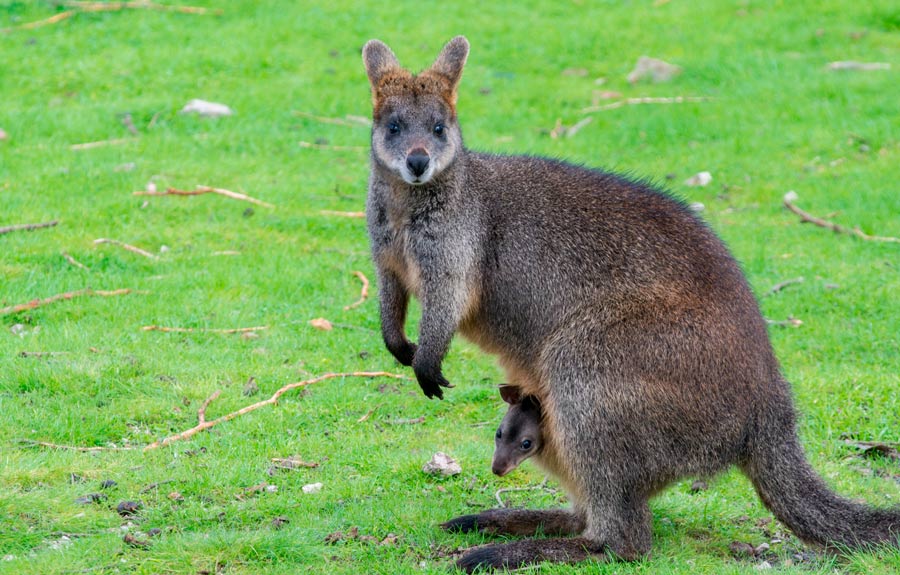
x=602, y=296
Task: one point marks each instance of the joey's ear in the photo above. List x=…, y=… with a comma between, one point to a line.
x=379, y=60
x=451, y=60
x=511, y=394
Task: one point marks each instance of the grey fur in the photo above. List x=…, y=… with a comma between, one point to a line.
x=603, y=297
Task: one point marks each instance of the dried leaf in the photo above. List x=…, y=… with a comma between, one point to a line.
x=91, y=498
x=250, y=388
x=207, y=109
x=876, y=449
x=698, y=486
x=442, y=464
x=280, y=522
x=312, y=488
x=128, y=508
x=741, y=550
x=654, y=69
x=129, y=539
x=321, y=323
x=854, y=65
x=3, y=135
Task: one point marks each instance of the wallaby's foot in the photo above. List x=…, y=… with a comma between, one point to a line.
x=430, y=378
x=519, y=553
x=521, y=522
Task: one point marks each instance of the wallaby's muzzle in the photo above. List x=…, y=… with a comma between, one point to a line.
x=417, y=161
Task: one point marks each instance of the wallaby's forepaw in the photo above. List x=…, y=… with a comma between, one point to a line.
x=404, y=353
x=431, y=381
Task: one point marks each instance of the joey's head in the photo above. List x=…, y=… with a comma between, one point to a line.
x=415, y=133
x=519, y=435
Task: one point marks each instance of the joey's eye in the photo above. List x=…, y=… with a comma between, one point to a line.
x=394, y=128
x=439, y=129
x=499, y=434
x=526, y=445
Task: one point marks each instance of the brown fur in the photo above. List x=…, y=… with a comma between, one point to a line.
x=603, y=297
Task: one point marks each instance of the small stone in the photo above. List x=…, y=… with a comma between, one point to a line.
x=764, y=565
x=761, y=548
x=176, y=496
x=312, y=488
x=271, y=488
x=91, y=498
x=154, y=532
x=442, y=464
x=741, y=550
x=280, y=522
x=207, y=109
x=321, y=323
x=699, y=180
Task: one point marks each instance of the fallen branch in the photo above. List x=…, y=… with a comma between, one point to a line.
x=541, y=487
x=363, y=294
x=791, y=197
x=330, y=147
x=101, y=143
x=27, y=227
x=63, y=296
x=32, y=443
x=789, y=322
x=780, y=286
x=77, y=7
x=203, y=424
x=649, y=100
x=202, y=329
x=200, y=190
x=351, y=121
x=128, y=247
x=343, y=214
x=75, y=262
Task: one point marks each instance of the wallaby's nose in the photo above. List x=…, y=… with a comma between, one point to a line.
x=417, y=161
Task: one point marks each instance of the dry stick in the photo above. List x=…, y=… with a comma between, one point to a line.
x=136, y=5
x=792, y=196
x=42, y=353
x=637, y=101
x=363, y=294
x=343, y=214
x=63, y=296
x=202, y=329
x=351, y=121
x=37, y=24
x=789, y=322
x=200, y=190
x=32, y=443
x=542, y=486
x=27, y=227
x=203, y=424
x=572, y=130
x=101, y=143
x=75, y=262
x=128, y=247
x=329, y=147
x=780, y=286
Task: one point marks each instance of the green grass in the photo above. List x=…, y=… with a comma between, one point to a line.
x=777, y=121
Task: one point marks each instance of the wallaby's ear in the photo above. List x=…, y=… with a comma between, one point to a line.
x=531, y=403
x=511, y=394
x=379, y=60
x=451, y=60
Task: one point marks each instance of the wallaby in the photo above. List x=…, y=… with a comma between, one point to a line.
x=519, y=435
x=605, y=298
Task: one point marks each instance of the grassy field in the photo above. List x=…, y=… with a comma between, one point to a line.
x=776, y=120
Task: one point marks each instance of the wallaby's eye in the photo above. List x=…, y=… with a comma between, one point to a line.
x=394, y=128
x=526, y=445
x=499, y=434
x=439, y=129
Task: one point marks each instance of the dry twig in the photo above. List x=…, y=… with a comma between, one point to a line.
x=101, y=143
x=42, y=353
x=791, y=197
x=200, y=190
x=351, y=121
x=203, y=424
x=649, y=100
x=330, y=147
x=75, y=262
x=789, y=322
x=363, y=294
x=128, y=247
x=541, y=487
x=35, y=303
x=202, y=329
x=27, y=227
x=32, y=443
x=343, y=214
x=76, y=7
x=780, y=286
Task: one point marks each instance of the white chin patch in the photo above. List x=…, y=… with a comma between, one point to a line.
x=413, y=180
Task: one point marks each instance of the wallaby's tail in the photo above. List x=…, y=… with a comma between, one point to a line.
x=800, y=499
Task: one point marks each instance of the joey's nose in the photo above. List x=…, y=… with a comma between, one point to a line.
x=417, y=162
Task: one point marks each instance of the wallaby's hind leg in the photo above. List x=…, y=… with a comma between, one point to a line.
x=521, y=522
